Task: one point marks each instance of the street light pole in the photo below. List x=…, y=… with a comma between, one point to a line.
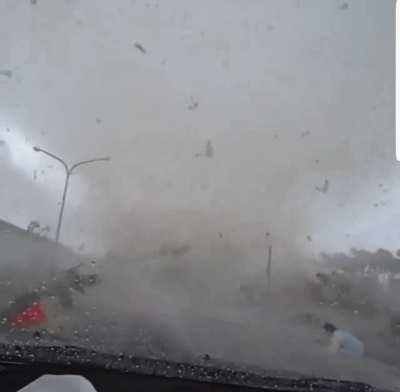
x=68, y=172
x=61, y=213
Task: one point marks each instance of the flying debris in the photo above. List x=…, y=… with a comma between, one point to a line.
x=140, y=47
x=7, y=73
x=193, y=104
x=324, y=188
x=305, y=134
x=209, y=151
x=33, y=225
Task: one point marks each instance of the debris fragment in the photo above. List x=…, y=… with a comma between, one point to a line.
x=7, y=73
x=140, y=47
x=174, y=250
x=32, y=226
x=33, y=2
x=35, y=175
x=206, y=357
x=220, y=235
x=98, y=120
x=193, y=104
x=376, y=205
x=324, y=188
x=209, y=151
x=344, y=6
x=309, y=238
x=304, y=134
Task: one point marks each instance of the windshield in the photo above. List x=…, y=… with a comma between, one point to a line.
x=209, y=182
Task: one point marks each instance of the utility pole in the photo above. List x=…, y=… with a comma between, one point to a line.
x=269, y=267
x=68, y=172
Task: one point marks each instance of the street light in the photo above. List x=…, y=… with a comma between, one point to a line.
x=68, y=172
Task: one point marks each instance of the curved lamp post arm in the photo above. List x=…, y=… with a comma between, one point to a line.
x=73, y=167
x=37, y=149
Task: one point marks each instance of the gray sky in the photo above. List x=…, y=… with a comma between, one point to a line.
x=290, y=93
